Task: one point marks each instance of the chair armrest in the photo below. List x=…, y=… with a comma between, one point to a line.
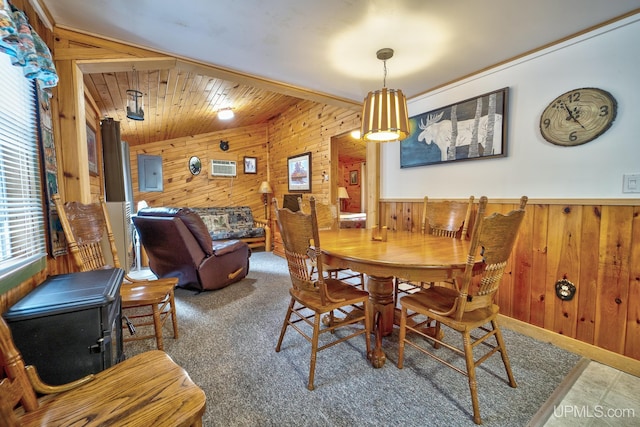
x=267, y=232
x=41, y=387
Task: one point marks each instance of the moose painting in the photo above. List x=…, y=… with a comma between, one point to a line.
x=471, y=129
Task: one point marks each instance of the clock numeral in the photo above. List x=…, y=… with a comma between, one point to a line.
x=546, y=123
x=573, y=97
x=604, y=111
x=573, y=136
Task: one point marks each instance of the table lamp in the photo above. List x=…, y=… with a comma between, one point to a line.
x=342, y=194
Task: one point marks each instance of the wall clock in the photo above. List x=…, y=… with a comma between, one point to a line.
x=578, y=116
x=195, y=165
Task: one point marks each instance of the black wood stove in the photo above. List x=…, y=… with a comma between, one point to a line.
x=70, y=326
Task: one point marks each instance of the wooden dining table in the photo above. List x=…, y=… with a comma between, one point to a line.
x=410, y=256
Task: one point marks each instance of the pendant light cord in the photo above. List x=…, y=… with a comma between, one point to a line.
x=384, y=79
x=135, y=79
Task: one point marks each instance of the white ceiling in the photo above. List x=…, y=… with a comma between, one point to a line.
x=329, y=46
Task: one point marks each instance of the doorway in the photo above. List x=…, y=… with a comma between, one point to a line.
x=348, y=160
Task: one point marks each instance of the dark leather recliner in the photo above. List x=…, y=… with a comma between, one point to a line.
x=178, y=244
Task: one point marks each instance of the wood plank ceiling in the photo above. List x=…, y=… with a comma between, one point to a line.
x=180, y=103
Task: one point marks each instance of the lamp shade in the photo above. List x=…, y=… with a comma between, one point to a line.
x=142, y=204
x=342, y=193
x=265, y=188
x=384, y=116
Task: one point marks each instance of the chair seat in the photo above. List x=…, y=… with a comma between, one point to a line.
x=347, y=294
x=146, y=293
x=135, y=392
x=442, y=299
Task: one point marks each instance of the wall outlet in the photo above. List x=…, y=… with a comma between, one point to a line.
x=631, y=183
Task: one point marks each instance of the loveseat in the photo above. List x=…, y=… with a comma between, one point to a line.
x=236, y=222
x=178, y=244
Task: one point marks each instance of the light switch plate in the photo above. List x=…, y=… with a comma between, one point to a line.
x=631, y=183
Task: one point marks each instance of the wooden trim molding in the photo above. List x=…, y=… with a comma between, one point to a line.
x=590, y=351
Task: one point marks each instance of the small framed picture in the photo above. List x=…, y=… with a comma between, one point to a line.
x=353, y=178
x=92, y=149
x=250, y=165
x=299, y=172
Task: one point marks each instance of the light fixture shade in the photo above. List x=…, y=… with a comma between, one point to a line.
x=384, y=116
x=225, y=114
x=135, y=109
x=265, y=188
x=342, y=193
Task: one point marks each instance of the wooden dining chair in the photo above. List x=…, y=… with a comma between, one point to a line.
x=311, y=297
x=327, y=215
x=145, y=303
x=470, y=305
x=446, y=218
x=148, y=389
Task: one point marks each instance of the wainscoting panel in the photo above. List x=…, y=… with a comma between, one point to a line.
x=594, y=244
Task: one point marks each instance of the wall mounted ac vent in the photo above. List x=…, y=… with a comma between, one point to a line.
x=223, y=168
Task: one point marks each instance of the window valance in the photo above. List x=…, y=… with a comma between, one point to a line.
x=25, y=47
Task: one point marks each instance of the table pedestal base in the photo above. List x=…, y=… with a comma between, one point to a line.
x=381, y=299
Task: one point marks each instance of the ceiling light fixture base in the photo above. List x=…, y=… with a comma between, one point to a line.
x=384, y=53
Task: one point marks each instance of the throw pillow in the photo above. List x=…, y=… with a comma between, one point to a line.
x=217, y=223
x=208, y=221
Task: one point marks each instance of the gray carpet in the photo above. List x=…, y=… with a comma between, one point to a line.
x=227, y=344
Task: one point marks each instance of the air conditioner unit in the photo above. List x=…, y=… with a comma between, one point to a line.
x=223, y=168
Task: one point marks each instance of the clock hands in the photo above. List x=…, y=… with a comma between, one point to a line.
x=571, y=117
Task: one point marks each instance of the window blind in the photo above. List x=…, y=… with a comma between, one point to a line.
x=22, y=234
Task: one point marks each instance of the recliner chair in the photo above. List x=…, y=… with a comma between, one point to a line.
x=178, y=244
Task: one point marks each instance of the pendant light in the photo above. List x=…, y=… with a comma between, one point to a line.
x=135, y=100
x=384, y=113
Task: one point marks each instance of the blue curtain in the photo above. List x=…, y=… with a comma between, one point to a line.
x=25, y=47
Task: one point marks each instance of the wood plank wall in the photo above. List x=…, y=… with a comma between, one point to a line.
x=181, y=189
x=593, y=244
x=308, y=127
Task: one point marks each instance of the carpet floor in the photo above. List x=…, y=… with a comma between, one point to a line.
x=227, y=344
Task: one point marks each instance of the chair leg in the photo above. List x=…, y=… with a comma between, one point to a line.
x=174, y=318
x=437, y=334
x=285, y=324
x=367, y=327
x=395, y=292
x=314, y=349
x=471, y=373
x=401, y=337
x=157, y=326
x=503, y=353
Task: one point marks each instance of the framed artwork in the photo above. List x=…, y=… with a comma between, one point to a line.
x=91, y=148
x=57, y=241
x=299, y=172
x=468, y=130
x=353, y=178
x=250, y=165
